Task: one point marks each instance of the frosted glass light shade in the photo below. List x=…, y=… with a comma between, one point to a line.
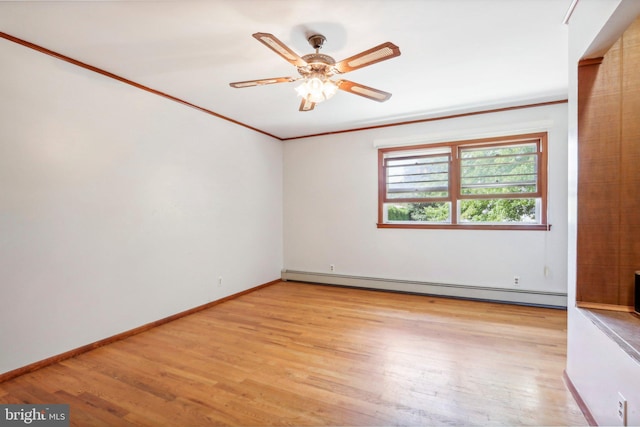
x=315, y=89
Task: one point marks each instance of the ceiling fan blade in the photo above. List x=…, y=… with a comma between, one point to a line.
x=251, y=83
x=379, y=53
x=306, y=105
x=280, y=48
x=362, y=90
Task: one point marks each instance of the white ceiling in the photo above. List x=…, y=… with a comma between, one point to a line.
x=457, y=55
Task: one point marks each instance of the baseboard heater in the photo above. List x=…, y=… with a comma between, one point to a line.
x=514, y=296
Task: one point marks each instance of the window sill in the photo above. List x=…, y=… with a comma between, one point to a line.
x=621, y=327
x=539, y=227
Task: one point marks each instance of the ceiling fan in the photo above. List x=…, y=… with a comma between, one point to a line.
x=316, y=70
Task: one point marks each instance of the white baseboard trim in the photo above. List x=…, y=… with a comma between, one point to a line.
x=514, y=296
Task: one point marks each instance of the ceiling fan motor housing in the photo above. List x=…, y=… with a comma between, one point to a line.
x=317, y=63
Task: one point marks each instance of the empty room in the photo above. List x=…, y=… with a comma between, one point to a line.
x=338, y=212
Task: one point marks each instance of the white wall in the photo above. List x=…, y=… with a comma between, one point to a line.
x=330, y=211
x=119, y=207
x=596, y=365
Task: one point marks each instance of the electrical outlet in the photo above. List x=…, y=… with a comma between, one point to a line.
x=516, y=281
x=219, y=280
x=332, y=267
x=622, y=409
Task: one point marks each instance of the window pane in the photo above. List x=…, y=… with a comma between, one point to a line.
x=499, y=170
x=500, y=211
x=498, y=183
x=417, y=177
x=437, y=212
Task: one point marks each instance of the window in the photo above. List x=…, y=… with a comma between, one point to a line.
x=497, y=183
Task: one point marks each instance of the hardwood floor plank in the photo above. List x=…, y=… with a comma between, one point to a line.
x=309, y=355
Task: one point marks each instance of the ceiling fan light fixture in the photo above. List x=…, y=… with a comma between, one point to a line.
x=316, y=89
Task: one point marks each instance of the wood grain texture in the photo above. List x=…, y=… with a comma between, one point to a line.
x=607, y=307
x=630, y=165
x=609, y=176
x=598, y=283
x=76, y=351
x=300, y=354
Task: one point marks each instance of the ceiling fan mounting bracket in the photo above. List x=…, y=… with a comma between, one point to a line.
x=316, y=41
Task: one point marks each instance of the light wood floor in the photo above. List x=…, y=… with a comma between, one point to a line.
x=299, y=354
